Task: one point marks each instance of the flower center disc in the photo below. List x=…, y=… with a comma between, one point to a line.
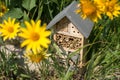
x=35, y=36
x=11, y=29
x=88, y=9
x=3, y=9
x=35, y=58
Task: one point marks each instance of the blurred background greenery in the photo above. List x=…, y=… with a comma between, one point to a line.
x=103, y=52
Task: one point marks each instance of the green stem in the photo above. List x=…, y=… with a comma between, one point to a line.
x=34, y=13
x=49, y=10
x=40, y=7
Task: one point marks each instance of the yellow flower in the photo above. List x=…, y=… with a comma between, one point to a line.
x=111, y=7
x=35, y=36
x=3, y=9
x=9, y=29
x=36, y=58
x=100, y=5
x=89, y=9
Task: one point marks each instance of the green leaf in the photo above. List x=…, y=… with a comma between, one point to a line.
x=40, y=10
x=29, y=4
x=25, y=17
x=56, y=1
x=14, y=13
x=68, y=74
x=13, y=3
x=25, y=76
x=99, y=60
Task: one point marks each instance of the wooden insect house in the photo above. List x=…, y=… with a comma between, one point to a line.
x=70, y=30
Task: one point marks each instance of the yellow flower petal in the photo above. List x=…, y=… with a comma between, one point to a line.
x=110, y=15
x=33, y=23
x=26, y=42
x=28, y=25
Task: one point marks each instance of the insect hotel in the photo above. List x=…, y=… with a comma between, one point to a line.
x=70, y=30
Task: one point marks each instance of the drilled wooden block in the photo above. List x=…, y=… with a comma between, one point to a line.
x=66, y=41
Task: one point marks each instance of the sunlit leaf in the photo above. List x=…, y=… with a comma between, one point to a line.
x=29, y=4
x=14, y=13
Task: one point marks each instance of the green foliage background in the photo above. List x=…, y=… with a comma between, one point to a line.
x=103, y=50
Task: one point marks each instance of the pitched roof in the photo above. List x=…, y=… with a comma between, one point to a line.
x=84, y=26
